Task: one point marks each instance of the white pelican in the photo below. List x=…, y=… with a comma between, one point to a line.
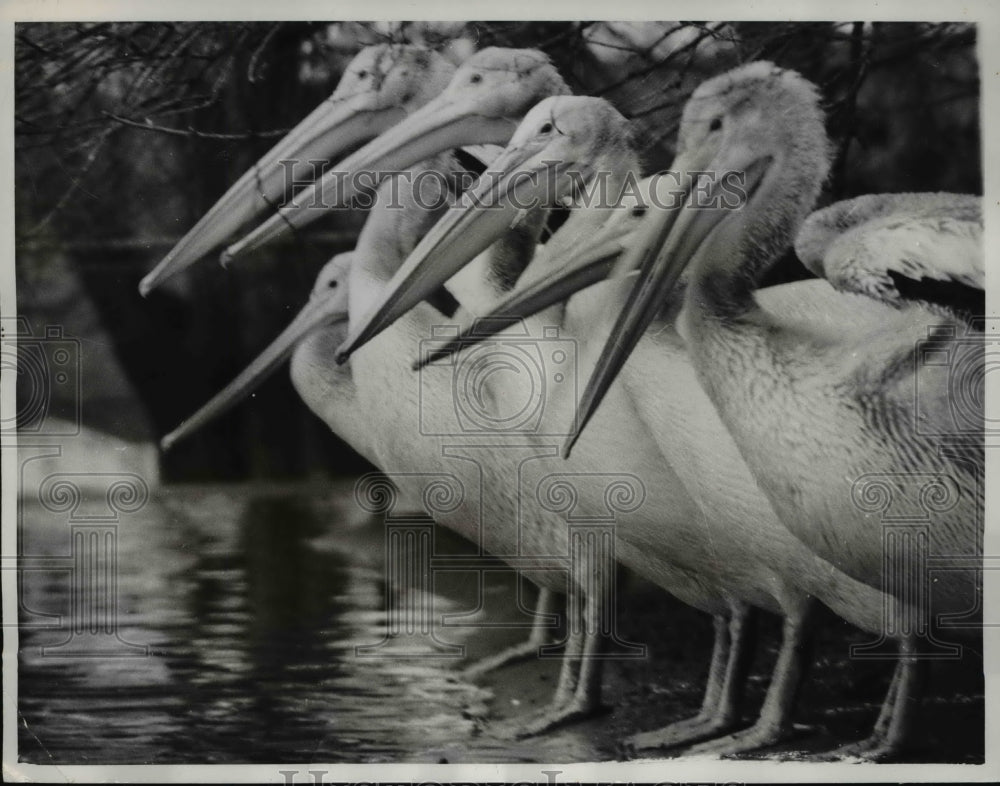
x=482, y=105
x=737, y=549
x=380, y=86
x=816, y=409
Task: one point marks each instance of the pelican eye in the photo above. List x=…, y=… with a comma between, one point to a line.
x=545, y=129
x=333, y=284
x=475, y=79
x=716, y=124
x=362, y=74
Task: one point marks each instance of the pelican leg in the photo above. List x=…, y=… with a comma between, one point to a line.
x=893, y=729
x=578, y=694
x=569, y=673
x=775, y=722
x=726, y=680
x=540, y=635
x=886, y=711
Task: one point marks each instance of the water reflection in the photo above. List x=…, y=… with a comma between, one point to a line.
x=251, y=603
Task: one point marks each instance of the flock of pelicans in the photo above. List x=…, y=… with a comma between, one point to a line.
x=750, y=414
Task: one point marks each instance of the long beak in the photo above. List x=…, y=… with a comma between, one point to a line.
x=331, y=128
x=435, y=127
x=668, y=241
x=520, y=180
x=320, y=311
x=587, y=262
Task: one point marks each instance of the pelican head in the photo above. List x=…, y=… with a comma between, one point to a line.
x=558, y=149
x=327, y=306
x=392, y=77
x=504, y=83
x=758, y=133
x=754, y=121
x=482, y=105
x=578, y=133
x=380, y=86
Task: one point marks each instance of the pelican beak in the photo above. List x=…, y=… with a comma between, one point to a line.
x=334, y=126
x=322, y=310
x=521, y=179
x=668, y=240
x=438, y=126
x=585, y=262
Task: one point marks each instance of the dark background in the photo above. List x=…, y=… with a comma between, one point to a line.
x=126, y=133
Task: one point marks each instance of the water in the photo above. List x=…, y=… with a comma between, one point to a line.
x=246, y=606
x=251, y=604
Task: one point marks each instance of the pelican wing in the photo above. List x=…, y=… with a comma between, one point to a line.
x=900, y=248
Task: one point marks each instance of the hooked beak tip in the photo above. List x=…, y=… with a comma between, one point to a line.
x=168, y=442
x=341, y=357
x=226, y=257
x=146, y=286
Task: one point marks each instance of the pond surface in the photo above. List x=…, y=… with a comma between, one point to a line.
x=240, y=611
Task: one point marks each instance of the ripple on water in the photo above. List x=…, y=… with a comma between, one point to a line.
x=252, y=610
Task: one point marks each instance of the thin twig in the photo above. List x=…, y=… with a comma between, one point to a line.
x=192, y=132
x=252, y=74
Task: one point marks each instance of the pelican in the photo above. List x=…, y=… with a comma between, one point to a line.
x=737, y=548
x=818, y=410
x=380, y=86
x=482, y=105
